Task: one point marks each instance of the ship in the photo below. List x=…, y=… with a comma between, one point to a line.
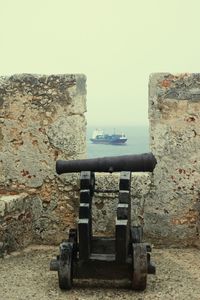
x=99, y=137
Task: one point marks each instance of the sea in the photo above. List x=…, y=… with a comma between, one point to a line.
x=137, y=143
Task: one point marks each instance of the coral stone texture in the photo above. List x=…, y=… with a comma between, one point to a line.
x=104, y=207
x=172, y=211
x=41, y=120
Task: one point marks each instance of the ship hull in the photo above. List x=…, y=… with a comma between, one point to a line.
x=107, y=142
x=108, y=139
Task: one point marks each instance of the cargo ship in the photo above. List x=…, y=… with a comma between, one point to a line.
x=99, y=137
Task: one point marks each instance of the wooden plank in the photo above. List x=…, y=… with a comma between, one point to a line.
x=100, y=269
x=122, y=240
x=102, y=257
x=103, y=245
x=85, y=196
x=122, y=227
x=124, y=196
x=84, y=238
x=84, y=211
x=85, y=180
x=122, y=211
x=85, y=218
x=125, y=181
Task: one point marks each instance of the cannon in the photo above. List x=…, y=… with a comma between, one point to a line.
x=134, y=163
x=84, y=256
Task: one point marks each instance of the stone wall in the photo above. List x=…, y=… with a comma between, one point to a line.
x=104, y=205
x=172, y=213
x=167, y=202
x=41, y=120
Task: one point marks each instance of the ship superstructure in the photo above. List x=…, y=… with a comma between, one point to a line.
x=99, y=137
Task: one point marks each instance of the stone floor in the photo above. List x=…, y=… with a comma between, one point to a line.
x=26, y=275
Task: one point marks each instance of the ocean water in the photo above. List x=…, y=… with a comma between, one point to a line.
x=138, y=142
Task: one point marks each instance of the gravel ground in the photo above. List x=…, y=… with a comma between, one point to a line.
x=26, y=275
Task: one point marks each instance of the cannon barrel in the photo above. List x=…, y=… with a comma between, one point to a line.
x=134, y=163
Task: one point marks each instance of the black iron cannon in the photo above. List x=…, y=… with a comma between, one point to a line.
x=134, y=163
x=85, y=256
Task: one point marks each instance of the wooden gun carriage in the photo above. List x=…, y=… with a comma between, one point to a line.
x=85, y=256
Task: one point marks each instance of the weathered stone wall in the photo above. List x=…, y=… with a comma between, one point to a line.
x=104, y=206
x=172, y=210
x=167, y=202
x=41, y=120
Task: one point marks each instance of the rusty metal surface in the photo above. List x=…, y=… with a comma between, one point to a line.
x=145, y=162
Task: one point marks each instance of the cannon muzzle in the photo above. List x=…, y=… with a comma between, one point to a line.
x=134, y=163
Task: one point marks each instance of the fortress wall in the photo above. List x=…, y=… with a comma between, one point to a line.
x=172, y=210
x=41, y=120
x=105, y=205
x=167, y=202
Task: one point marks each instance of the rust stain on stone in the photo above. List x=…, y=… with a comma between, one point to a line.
x=42, y=130
x=46, y=193
x=181, y=171
x=6, y=192
x=190, y=119
x=56, y=154
x=189, y=218
x=24, y=173
x=166, y=83
x=35, y=142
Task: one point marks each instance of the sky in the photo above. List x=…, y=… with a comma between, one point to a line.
x=117, y=44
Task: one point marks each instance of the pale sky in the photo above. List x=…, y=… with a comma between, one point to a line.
x=115, y=43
